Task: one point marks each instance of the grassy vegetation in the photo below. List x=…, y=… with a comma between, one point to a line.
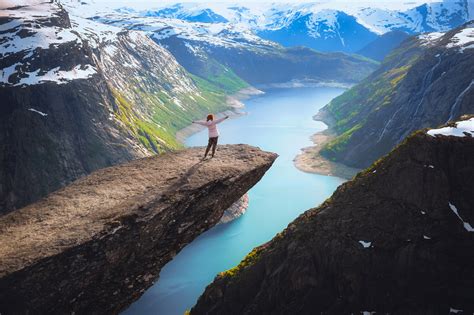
x=227, y=80
x=351, y=109
x=371, y=94
x=249, y=260
x=150, y=135
x=332, y=148
x=219, y=77
x=154, y=118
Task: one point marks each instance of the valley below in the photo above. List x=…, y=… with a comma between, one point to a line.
x=278, y=121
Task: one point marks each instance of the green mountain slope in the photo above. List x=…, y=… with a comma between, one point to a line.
x=423, y=83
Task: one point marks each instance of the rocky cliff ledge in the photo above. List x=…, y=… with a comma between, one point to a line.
x=398, y=239
x=96, y=245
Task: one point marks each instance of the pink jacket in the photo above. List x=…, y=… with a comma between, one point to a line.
x=211, y=126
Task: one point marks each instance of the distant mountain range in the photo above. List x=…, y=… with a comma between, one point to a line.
x=209, y=50
x=324, y=26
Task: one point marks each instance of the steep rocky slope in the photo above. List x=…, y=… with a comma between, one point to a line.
x=397, y=239
x=227, y=52
x=425, y=82
x=97, y=244
x=78, y=96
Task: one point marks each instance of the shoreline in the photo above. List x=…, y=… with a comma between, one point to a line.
x=311, y=161
x=305, y=84
x=234, y=102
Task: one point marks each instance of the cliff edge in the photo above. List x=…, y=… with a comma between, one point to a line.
x=397, y=239
x=97, y=244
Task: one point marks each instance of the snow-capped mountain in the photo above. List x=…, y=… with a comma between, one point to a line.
x=326, y=30
x=158, y=28
x=212, y=49
x=178, y=11
x=325, y=26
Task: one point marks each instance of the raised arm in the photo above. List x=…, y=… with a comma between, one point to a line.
x=199, y=122
x=221, y=119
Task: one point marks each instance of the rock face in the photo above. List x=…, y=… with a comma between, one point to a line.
x=97, y=244
x=396, y=239
x=424, y=83
x=78, y=96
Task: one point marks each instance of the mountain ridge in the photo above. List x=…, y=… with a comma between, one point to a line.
x=379, y=48
x=209, y=50
x=319, y=24
x=423, y=83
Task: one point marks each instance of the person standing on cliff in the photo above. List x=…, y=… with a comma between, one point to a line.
x=211, y=125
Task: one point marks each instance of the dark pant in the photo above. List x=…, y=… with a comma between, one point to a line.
x=212, y=143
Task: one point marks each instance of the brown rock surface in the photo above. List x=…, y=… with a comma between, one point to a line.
x=97, y=244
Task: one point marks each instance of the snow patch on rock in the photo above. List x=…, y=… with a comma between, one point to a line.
x=461, y=129
x=365, y=244
x=429, y=39
x=56, y=75
x=463, y=39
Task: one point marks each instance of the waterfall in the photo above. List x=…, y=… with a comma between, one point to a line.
x=458, y=101
x=427, y=82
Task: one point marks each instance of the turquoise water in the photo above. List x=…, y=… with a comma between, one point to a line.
x=279, y=121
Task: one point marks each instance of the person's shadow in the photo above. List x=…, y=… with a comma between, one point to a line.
x=181, y=183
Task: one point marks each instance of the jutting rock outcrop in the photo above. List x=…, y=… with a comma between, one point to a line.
x=397, y=239
x=77, y=96
x=94, y=246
